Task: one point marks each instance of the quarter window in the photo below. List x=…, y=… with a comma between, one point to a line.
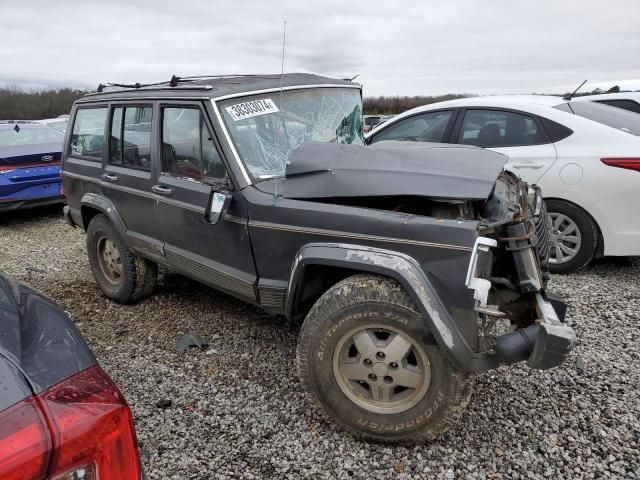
x=427, y=127
x=131, y=137
x=496, y=128
x=188, y=149
x=87, y=137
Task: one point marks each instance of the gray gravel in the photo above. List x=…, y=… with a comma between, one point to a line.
x=237, y=410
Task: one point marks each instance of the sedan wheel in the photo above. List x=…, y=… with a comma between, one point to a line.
x=565, y=239
x=573, y=237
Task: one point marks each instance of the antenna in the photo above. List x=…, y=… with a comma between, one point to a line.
x=284, y=39
x=570, y=95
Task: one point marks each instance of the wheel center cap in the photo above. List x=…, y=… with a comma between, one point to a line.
x=380, y=369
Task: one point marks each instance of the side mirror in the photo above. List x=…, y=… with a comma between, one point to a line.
x=216, y=206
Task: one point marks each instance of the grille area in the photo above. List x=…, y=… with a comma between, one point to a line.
x=543, y=233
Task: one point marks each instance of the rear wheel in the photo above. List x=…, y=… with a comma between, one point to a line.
x=573, y=237
x=121, y=275
x=366, y=356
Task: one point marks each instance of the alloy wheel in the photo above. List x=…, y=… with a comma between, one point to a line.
x=565, y=239
x=381, y=369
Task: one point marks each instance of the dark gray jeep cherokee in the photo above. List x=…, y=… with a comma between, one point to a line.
x=409, y=266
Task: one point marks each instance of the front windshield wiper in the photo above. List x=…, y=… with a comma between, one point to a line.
x=263, y=178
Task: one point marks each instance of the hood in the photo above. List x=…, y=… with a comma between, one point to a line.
x=436, y=171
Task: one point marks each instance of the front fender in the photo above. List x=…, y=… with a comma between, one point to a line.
x=409, y=274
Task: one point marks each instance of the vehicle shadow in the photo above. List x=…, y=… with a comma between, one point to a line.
x=30, y=214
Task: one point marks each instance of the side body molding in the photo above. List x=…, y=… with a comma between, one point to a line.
x=408, y=273
x=105, y=206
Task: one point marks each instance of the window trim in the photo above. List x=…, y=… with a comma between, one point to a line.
x=69, y=152
x=447, y=136
x=206, y=123
x=455, y=136
x=124, y=106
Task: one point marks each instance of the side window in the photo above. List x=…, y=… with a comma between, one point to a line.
x=427, y=127
x=188, y=149
x=495, y=128
x=130, y=141
x=624, y=104
x=87, y=137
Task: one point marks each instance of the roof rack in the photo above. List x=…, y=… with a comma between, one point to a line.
x=173, y=82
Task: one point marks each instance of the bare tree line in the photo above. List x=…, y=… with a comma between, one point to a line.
x=384, y=105
x=19, y=104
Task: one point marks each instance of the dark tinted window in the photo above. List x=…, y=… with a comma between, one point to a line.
x=131, y=137
x=624, y=104
x=497, y=128
x=371, y=121
x=617, y=118
x=426, y=127
x=188, y=149
x=87, y=137
x=555, y=131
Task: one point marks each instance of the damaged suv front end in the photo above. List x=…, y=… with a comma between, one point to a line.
x=508, y=273
x=410, y=265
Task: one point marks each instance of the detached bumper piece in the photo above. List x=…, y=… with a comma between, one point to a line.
x=545, y=344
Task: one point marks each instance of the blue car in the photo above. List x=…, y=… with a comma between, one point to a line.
x=29, y=165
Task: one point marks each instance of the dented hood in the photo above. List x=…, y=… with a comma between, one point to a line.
x=436, y=171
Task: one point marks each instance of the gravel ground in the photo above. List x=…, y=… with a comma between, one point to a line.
x=237, y=410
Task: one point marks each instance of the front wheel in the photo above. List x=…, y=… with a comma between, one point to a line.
x=367, y=358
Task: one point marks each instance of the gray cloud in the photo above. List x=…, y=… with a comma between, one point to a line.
x=401, y=47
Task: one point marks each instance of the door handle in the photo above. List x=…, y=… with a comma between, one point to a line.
x=109, y=177
x=162, y=190
x=532, y=166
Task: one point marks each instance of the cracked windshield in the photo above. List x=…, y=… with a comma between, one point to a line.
x=267, y=128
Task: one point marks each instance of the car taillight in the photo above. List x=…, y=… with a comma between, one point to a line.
x=80, y=428
x=93, y=433
x=628, y=163
x=25, y=444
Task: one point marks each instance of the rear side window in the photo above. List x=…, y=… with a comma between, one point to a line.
x=555, y=131
x=130, y=144
x=613, y=117
x=87, y=137
x=497, y=128
x=188, y=149
x=629, y=105
x=426, y=127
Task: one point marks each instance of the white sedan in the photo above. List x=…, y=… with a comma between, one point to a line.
x=584, y=155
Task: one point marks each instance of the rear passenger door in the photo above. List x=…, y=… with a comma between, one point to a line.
x=516, y=134
x=219, y=255
x=127, y=178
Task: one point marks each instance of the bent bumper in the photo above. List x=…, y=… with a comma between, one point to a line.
x=544, y=344
x=554, y=340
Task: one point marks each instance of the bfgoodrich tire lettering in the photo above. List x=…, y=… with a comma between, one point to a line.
x=137, y=276
x=367, y=300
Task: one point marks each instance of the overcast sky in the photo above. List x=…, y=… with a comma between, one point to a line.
x=397, y=47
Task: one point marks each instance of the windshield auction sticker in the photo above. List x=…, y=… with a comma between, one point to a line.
x=240, y=111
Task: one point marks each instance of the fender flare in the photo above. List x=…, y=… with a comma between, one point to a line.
x=407, y=271
x=105, y=206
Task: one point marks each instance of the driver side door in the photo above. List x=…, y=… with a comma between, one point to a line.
x=217, y=254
